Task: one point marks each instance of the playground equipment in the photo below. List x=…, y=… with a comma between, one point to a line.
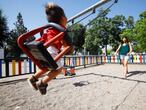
x=37, y=51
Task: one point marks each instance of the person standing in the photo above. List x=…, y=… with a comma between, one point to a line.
x=124, y=50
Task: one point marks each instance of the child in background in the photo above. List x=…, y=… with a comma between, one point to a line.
x=56, y=15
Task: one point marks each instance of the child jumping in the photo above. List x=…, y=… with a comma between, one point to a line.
x=56, y=15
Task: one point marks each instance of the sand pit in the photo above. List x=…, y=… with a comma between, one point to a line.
x=94, y=88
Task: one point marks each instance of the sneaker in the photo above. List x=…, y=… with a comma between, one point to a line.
x=42, y=87
x=32, y=82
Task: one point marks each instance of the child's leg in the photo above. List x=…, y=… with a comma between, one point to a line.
x=34, y=78
x=42, y=85
x=51, y=75
x=39, y=73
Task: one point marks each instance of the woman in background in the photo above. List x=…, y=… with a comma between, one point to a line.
x=124, y=50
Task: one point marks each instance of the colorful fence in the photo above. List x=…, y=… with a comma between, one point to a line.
x=14, y=67
x=82, y=60
x=134, y=59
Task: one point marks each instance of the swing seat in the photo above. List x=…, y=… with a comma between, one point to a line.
x=41, y=54
x=36, y=50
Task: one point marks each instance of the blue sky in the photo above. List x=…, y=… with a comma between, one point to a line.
x=34, y=16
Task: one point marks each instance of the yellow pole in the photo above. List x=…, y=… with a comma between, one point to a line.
x=13, y=67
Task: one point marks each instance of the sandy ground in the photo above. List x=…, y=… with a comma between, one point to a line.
x=93, y=88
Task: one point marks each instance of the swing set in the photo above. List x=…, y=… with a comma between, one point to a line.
x=36, y=50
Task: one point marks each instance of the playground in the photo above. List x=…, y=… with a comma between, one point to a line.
x=74, y=66
x=100, y=87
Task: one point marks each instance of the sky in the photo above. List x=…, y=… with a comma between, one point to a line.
x=34, y=16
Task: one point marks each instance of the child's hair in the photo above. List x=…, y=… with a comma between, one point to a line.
x=54, y=13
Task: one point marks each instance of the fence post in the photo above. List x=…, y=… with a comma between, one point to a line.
x=0, y=68
x=7, y=67
x=74, y=61
x=19, y=67
x=101, y=59
x=144, y=60
x=132, y=58
x=30, y=66
x=25, y=66
x=140, y=59
x=84, y=62
x=109, y=59
x=64, y=61
x=13, y=67
x=96, y=59
x=79, y=61
x=34, y=68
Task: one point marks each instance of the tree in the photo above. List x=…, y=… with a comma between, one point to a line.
x=116, y=27
x=129, y=22
x=136, y=32
x=97, y=34
x=92, y=41
x=14, y=50
x=140, y=31
x=143, y=15
x=4, y=33
x=128, y=31
x=104, y=31
x=77, y=35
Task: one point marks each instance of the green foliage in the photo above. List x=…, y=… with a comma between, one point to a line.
x=140, y=31
x=142, y=15
x=104, y=31
x=115, y=29
x=128, y=30
x=129, y=22
x=136, y=32
x=77, y=35
x=4, y=34
x=92, y=41
x=14, y=50
x=109, y=31
x=108, y=52
x=97, y=33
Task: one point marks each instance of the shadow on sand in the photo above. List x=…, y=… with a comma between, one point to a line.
x=132, y=73
x=110, y=76
x=81, y=83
